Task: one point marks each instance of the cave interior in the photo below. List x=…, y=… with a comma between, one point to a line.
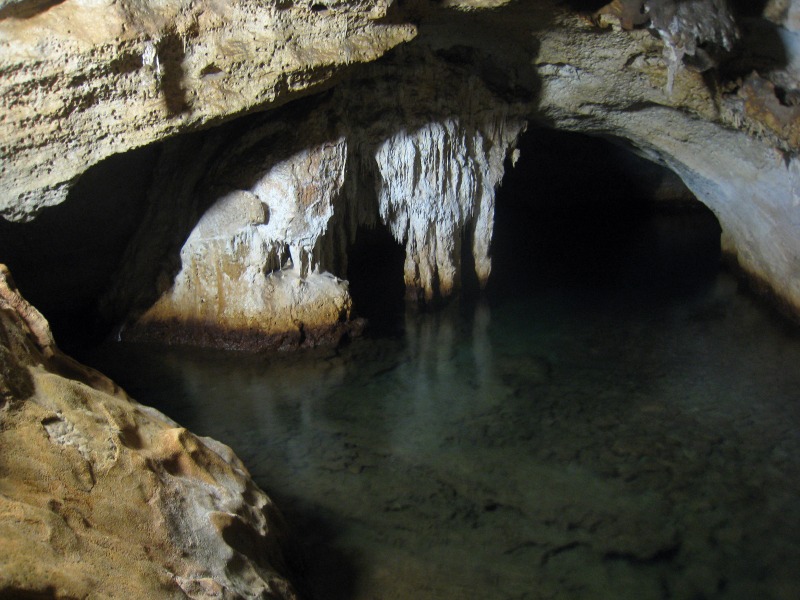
x=570, y=211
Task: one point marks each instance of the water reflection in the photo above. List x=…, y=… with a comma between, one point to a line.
x=467, y=458
x=556, y=445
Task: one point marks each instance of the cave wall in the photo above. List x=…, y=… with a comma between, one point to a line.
x=269, y=206
x=727, y=124
x=281, y=134
x=415, y=141
x=83, y=79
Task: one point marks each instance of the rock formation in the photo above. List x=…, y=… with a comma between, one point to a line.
x=283, y=127
x=279, y=200
x=103, y=497
x=410, y=154
x=415, y=141
x=84, y=80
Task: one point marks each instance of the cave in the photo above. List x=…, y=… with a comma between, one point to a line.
x=477, y=298
x=588, y=212
x=457, y=433
x=66, y=259
x=375, y=277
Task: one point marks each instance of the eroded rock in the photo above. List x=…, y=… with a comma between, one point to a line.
x=103, y=497
x=84, y=80
x=420, y=141
x=264, y=264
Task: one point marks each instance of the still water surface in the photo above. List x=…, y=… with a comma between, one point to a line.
x=631, y=435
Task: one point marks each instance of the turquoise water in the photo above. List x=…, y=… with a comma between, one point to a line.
x=606, y=422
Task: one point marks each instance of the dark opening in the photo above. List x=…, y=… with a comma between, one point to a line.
x=375, y=272
x=748, y=8
x=583, y=213
x=63, y=260
x=584, y=5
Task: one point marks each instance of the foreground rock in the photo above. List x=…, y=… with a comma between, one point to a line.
x=102, y=497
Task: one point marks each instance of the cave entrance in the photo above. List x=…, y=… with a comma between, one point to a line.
x=587, y=214
x=375, y=274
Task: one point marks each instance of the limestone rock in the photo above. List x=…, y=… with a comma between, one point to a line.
x=246, y=278
x=82, y=80
x=102, y=497
x=747, y=178
x=415, y=141
x=691, y=29
x=264, y=264
x=434, y=182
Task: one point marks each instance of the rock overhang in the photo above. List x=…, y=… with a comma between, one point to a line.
x=602, y=73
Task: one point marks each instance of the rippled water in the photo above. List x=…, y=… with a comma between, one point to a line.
x=625, y=427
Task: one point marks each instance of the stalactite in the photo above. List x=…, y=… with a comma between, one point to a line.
x=691, y=28
x=286, y=195
x=436, y=183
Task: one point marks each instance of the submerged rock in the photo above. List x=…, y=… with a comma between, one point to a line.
x=103, y=497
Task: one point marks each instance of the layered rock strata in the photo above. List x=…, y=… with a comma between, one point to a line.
x=84, y=80
x=101, y=497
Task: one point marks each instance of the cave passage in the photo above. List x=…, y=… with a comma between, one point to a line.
x=613, y=419
x=63, y=260
x=375, y=275
x=586, y=214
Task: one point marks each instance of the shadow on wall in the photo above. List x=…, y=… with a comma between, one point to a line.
x=26, y=9
x=171, y=54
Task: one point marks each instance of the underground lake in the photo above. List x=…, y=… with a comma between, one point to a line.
x=611, y=418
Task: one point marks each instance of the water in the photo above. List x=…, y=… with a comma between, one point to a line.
x=608, y=422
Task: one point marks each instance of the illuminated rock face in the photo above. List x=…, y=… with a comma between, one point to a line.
x=103, y=497
x=247, y=278
x=82, y=80
x=735, y=148
x=436, y=184
x=416, y=142
x=244, y=243
x=264, y=264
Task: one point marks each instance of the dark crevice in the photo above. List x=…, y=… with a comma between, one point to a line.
x=375, y=275
x=664, y=555
x=171, y=53
x=64, y=259
x=559, y=550
x=584, y=213
x=584, y=5
x=27, y=9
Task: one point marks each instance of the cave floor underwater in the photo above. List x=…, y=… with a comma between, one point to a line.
x=579, y=431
